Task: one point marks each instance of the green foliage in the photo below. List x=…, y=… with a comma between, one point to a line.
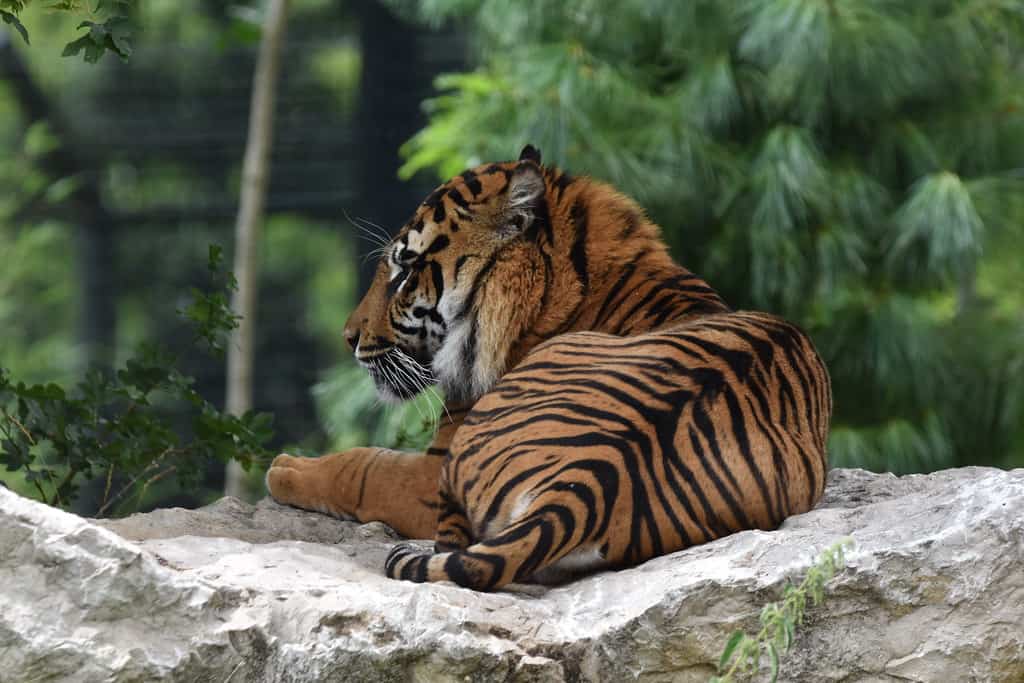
x=36, y=289
x=10, y=17
x=339, y=68
x=114, y=424
x=742, y=654
x=38, y=342
x=21, y=176
x=855, y=166
x=349, y=410
x=109, y=26
x=160, y=140
x=210, y=312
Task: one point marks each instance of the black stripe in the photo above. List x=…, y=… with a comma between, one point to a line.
x=498, y=499
x=362, y=483
x=707, y=430
x=497, y=168
x=607, y=477
x=404, y=329
x=578, y=254
x=643, y=303
x=457, y=197
x=642, y=515
x=738, y=361
x=434, y=198
x=586, y=498
x=546, y=294
x=437, y=278
x=440, y=242
x=461, y=261
x=560, y=183
x=786, y=336
x=396, y=282
x=615, y=291
x=764, y=349
x=779, y=459
x=543, y=550
x=734, y=507
x=666, y=430
x=478, y=281
x=472, y=183
x=632, y=222
x=455, y=568
x=739, y=432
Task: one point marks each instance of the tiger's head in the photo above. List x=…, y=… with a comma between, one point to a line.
x=458, y=286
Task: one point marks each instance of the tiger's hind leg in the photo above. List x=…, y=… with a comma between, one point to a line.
x=515, y=554
x=453, y=527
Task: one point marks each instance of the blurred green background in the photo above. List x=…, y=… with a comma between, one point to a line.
x=857, y=166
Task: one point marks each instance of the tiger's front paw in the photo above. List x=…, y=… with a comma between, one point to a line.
x=325, y=484
x=283, y=480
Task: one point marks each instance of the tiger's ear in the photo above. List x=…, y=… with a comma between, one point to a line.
x=530, y=153
x=525, y=192
x=525, y=187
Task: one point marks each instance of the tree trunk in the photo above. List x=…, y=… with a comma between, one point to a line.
x=248, y=228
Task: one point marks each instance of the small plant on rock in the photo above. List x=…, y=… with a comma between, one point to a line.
x=743, y=653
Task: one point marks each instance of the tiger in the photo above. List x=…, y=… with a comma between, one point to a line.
x=603, y=404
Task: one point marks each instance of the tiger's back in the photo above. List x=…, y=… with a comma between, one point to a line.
x=638, y=446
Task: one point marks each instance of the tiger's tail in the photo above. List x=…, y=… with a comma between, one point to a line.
x=515, y=554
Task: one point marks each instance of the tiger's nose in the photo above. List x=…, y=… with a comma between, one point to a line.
x=352, y=337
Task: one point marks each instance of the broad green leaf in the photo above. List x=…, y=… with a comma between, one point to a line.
x=92, y=51
x=13, y=21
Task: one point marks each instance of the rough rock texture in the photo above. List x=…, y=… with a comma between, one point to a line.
x=934, y=591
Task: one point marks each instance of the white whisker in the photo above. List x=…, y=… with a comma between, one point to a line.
x=379, y=237
x=427, y=415
x=422, y=378
x=372, y=228
x=371, y=223
x=376, y=253
x=440, y=401
x=386, y=375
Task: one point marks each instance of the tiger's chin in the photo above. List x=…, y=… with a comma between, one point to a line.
x=394, y=395
x=464, y=370
x=398, y=377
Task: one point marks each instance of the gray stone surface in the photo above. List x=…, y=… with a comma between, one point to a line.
x=934, y=591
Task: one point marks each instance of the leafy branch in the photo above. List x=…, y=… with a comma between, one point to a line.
x=743, y=653
x=109, y=26
x=114, y=422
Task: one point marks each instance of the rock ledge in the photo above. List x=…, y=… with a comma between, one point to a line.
x=934, y=591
